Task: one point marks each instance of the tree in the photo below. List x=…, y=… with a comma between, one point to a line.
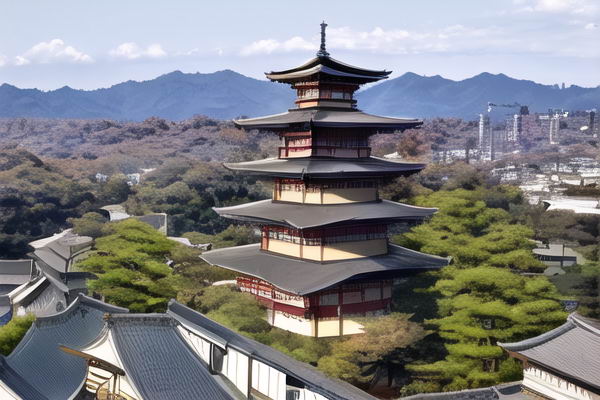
x=90, y=224
x=480, y=307
x=589, y=291
x=35, y=201
x=115, y=191
x=472, y=233
x=12, y=333
x=470, y=144
x=412, y=144
x=361, y=357
x=129, y=262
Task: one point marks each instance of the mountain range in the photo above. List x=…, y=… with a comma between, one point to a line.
x=228, y=94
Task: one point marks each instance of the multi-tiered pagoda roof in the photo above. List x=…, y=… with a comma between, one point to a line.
x=324, y=251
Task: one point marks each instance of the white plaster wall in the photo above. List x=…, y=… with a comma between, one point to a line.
x=268, y=381
x=293, y=323
x=554, y=387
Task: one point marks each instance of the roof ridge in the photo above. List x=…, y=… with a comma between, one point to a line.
x=586, y=323
x=540, y=339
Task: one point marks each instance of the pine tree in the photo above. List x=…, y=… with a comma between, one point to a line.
x=480, y=307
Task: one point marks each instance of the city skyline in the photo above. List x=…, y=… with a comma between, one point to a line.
x=92, y=45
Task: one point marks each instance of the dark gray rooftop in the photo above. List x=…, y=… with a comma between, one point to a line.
x=572, y=349
x=314, y=380
x=159, y=362
x=331, y=118
x=329, y=66
x=15, y=272
x=38, y=368
x=304, y=216
x=155, y=357
x=334, y=168
x=304, y=277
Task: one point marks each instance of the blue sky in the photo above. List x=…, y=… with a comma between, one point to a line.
x=91, y=44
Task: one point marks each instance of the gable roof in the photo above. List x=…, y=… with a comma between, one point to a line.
x=158, y=361
x=38, y=369
x=314, y=380
x=572, y=350
x=15, y=272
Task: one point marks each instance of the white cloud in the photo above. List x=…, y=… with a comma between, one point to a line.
x=580, y=7
x=3, y=60
x=56, y=50
x=591, y=26
x=392, y=41
x=132, y=51
x=268, y=46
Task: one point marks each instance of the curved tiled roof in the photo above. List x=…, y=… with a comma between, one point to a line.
x=320, y=167
x=330, y=66
x=304, y=277
x=572, y=349
x=330, y=118
x=158, y=361
x=38, y=369
x=314, y=380
x=303, y=216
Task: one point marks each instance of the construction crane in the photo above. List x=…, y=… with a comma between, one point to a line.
x=523, y=109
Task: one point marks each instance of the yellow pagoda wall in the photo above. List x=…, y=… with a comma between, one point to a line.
x=332, y=252
x=327, y=196
x=348, y=250
x=325, y=103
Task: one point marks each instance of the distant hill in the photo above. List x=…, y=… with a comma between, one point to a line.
x=227, y=94
x=175, y=96
x=416, y=95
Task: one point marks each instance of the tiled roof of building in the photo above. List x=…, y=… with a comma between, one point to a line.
x=328, y=66
x=15, y=272
x=328, y=117
x=158, y=362
x=37, y=369
x=314, y=380
x=572, y=349
x=150, y=350
x=333, y=168
x=304, y=277
x=303, y=216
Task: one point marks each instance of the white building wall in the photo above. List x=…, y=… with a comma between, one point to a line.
x=200, y=345
x=236, y=369
x=268, y=381
x=554, y=387
x=292, y=323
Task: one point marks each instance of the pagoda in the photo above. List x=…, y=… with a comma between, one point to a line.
x=324, y=261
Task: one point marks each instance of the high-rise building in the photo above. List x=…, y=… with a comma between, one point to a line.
x=486, y=138
x=324, y=260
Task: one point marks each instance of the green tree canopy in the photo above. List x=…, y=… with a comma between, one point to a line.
x=12, y=333
x=471, y=232
x=479, y=307
x=130, y=263
x=358, y=358
x=90, y=224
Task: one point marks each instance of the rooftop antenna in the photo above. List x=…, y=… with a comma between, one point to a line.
x=322, y=52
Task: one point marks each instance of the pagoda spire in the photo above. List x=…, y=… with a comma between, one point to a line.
x=322, y=52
